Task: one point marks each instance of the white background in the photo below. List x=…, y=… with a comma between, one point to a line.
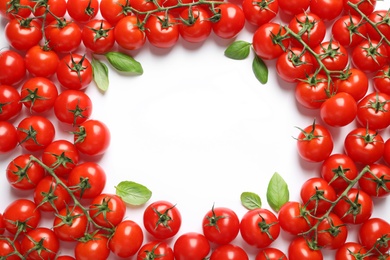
x=198, y=129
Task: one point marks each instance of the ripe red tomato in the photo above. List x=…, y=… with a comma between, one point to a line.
x=220, y=225
x=348, y=30
x=259, y=13
x=313, y=91
x=11, y=9
x=73, y=107
x=327, y=10
x=293, y=7
x=38, y=94
x=259, y=227
x=351, y=251
x=24, y=174
x=339, y=110
x=354, y=82
x=64, y=36
x=22, y=34
x=369, y=56
x=57, y=7
x=127, y=239
x=70, y=223
x=317, y=195
x=195, y=25
x=107, y=210
x=74, y=72
x=13, y=68
x=155, y=248
x=10, y=104
x=294, y=218
x=365, y=6
x=61, y=156
x=334, y=57
x=8, y=246
x=8, y=137
x=144, y=6
x=87, y=180
x=35, y=133
x=82, y=11
x=51, y=196
x=270, y=253
x=98, y=36
x=229, y=252
x=21, y=214
x=114, y=10
x=381, y=80
x=161, y=30
x=191, y=246
x=332, y=232
x=41, y=61
x=129, y=34
x=376, y=182
x=162, y=219
x=378, y=17
x=270, y=41
x=95, y=246
x=314, y=143
x=373, y=111
x=40, y=244
x=231, y=20
x=375, y=232
x=338, y=170
x=92, y=137
x=302, y=249
x=294, y=65
x=300, y=23
x=364, y=146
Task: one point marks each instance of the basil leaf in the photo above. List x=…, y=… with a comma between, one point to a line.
x=133, y=193
x=238, y=50
x=277, y=192
x=260, y=69
x=100, y=74
x=124, y=63
x=250, y=200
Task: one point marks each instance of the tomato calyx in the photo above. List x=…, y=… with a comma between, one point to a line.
x=263, y=4
x=377, y=105
x=151, y=255
x=83, y=185
x=265, y=227
x=22, y=173
x=89, y=10
x=278, y=38
x=306, y=25
x=14, y=6
x=49, y=197
x=68, y=218
x=329, y=51
x=163, y=218
x=308, y=136
x=77, y=66
x=333, y=230
x=213, y=220
x=354, y=207
x=31, y=97
x=101, y=32
x=339, y=172
x=81, y=134
x=61, y=160
x=372, y=50
x=191, y=20
x=31, y=134
x=296, y=59
x=368, y=138
x=381, y=183
x=38, y=246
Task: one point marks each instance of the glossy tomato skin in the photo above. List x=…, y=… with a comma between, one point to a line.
x=195, y=25
x=376, y=182
x=259, y=227
x=73, y=107
x=348, y=30
x=299, y=249
x=82, y=11
x=294, y=218
x=268, y=39
x=98, y=36
x=294, y=64
x=366, y=7
x=259, y=13
x=339, y=110
x=74, y=72
x=129, y=34
x=332, y=232
x=270, y=253
x=293, y=7
x=10, y=104
x=21, y=210
x=24, y=174
x=38, y=94
x=229, y=252
x=40, y=235
x=221, y=225
x=92, y=137
x=373, y=111
x=162, y=219
x=231, y=22
x=191, y=246
x=23, y=34
x=353, y=81
x=107, y=210
x=381, y=80
x=313, y=91
x=64, y=38
x=70, y=223
x=35, y=133
x=62, y=156
x=378, y=18
x=369, y=56
x=162, y=31
x=314, y=143
x=364, y=146
x=327, y=10
x=12, y=66
x=41, y=62
x=13, y=9
x=8, y=137
x=373, y=232
x=57, y=7
x=94, y=248
x=127, y=239
x=351, y=250
x=155, y=248
x=7, y=248
x=334, y=57
x=313, y=37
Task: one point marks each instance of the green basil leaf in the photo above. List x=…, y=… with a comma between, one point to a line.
x=100, y=74
x=238, y=50
x=124, y=63
x=277, y=192
x=260, y=69
x=133, y=193
x=250, y=200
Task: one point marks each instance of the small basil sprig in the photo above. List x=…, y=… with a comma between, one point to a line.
x=133, y=193
x=250, y=200
x=124, y=63
x=100, y=74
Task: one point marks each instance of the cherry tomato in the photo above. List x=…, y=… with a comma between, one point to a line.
x=144, y=6
x=35, y=133
x=348, y=30
x=155, y=248
x=365, y=6
x=270, y=253
x=87, y=180
x=22, y=34
x=8, y=137
x=82, y=11
x=21, y=214
x=294, y=218
x=38, y=94
x=327, y=10
x=195, y=25
x=334, y=57
x=364, y=146
x=162, y=219
x=332, y=232
x=260, y=12
x=339, y=110
x=40, y=244
x=70, y=223
x=381, y=80
x=98, y=36
x=24, y=174
x=127, y=239
x=191, y=246
x=129, y=34
x=50, y=196
x=301, y=249
x=229, y=252
x=74, y=72
x=376, y=181
x=92, y=137
x=63, y=36
x=259, y=227
x=351, y=251
x=114, y=10
x=220, y=225
x=373, y=111
x=11, y=9
x=61, y=156
x=314, y=143
x=107, y=210
x=354, y=82
x=41, y=61
x=378, y=17
x=312, y=91
x=13, y=68
x=375, y=232
x=369, y=56
x=57, y=7
x=231, y=20
x=293, y=7
x=300, y=23
x=294, y=65
x=161, y=30
x=94, y=246
x=8, y=246
x=10, y=105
